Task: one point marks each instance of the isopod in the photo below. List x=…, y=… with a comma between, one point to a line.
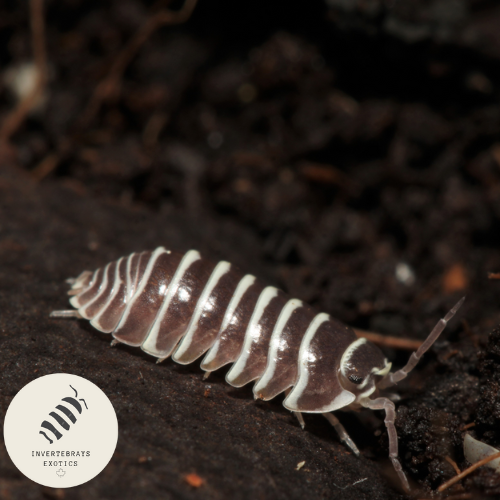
x=58, y=424
x=185, y=306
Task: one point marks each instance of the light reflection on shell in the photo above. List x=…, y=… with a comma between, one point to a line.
x=475, y=450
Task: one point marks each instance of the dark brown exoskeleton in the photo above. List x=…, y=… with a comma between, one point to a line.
x=184, y=306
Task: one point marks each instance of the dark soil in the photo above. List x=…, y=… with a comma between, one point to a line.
x=348, y=153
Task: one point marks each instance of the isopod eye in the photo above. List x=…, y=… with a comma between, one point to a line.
x=355, y=379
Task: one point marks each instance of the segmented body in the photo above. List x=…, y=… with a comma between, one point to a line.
x=185, y=306
x=59, y=422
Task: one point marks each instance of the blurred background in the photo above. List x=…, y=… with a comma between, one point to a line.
x=346, y=151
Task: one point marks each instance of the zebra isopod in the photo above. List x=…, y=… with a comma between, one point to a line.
x=59, y=422
x=185, y=306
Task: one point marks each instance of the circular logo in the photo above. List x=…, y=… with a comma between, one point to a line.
x=60, y=430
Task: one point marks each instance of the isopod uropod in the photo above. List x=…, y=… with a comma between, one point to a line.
x=184, y=306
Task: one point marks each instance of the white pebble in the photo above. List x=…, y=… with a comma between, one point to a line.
x=405, y=274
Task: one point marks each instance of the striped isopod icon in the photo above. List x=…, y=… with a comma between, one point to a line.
x=57, y=421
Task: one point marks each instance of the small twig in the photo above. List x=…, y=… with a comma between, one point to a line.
x=449, y=354
x=350, y=485
x=470, y=333
x=18, y=115
x=38, y=37
x=494, y=276
x=388, y=341
x=46, y=166
x=468, y=426
x=50, y=162
x=452, y=463
x=109, y=86
x=466, y=472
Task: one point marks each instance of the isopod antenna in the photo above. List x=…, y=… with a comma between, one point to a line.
x=81, y=399
x=394, y=378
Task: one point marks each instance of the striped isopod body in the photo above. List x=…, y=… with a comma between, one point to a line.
x=185, y=306
x=57, y=424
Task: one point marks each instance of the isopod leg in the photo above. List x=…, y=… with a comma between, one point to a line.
x=390, y=416
x=344, y=437
x=70, y=313
x=300, y=418
x=206, y=375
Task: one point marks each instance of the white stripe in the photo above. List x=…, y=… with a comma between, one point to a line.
x=344, y=362
x=342, y=399
x=104, y=284
x=220, y=270
x=78, y=282
x=95, y=322
x=144, y=281
x=297, y=391
x=134, y=280
x=382, y=372
x=75, y=300
x=246, y=282
x=130, y=287
x=275, y=342
x=149, y=344
x=367, y=393
x=252, y=334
